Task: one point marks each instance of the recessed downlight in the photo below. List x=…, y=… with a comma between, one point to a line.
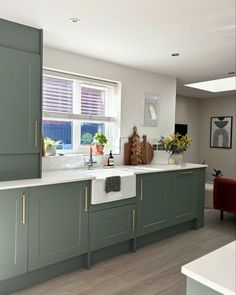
x=175, y=54
x=231, y=73
x=75, y=20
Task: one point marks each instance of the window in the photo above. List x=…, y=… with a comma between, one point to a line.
x=75, y=108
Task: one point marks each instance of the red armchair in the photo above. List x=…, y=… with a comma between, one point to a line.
x=224, y=195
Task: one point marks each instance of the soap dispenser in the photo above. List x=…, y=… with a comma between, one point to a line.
x=111, y=160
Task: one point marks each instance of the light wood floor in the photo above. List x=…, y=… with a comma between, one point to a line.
x=154, y=269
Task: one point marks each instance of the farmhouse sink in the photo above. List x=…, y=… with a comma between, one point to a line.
x=98, y=194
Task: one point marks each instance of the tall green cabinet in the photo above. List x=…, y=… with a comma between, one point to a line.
x=20, y=101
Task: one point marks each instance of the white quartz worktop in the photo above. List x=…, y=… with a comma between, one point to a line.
x=73, y=175
x=216, y=270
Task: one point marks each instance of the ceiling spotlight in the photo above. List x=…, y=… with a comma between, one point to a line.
x=175, y=54
x=231, y=73
x=75, y=20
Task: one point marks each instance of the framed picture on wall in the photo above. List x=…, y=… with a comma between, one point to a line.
x=151, y=107
x=221, y=132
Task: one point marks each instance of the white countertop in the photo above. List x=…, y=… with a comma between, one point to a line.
x=216, y=270
x=74, y=175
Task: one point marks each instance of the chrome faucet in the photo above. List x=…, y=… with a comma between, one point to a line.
x=90, y=162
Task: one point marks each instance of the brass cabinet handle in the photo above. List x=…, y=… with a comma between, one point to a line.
x=35, y=133
x=23, y=209
x=133, y=220
x=86, y=199
x=141, y=189
x=187, y=172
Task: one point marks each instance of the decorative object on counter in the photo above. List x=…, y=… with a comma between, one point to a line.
x=150, y=110
x=127, y=151
x=51, y=146
x=110, y=160
x=217, y=173
x=147, y=151
x=100, y=140
x=221, y=132
x=136, y=152
x=176, y=144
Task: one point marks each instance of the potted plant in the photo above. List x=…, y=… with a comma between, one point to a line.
x=50, y=146
x=100, y=141
x=176, y=144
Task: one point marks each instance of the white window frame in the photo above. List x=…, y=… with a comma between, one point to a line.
x=77, y=118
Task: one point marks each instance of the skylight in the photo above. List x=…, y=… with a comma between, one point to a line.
x=219, y=85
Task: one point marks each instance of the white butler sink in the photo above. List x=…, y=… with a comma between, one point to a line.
x=98, y=194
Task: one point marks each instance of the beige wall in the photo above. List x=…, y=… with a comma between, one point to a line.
x=134, y=85
x=197, y=113
x=223, y=159
x=188, y=112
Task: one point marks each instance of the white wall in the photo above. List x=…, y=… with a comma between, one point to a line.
x=197, y=114
x=188, y=112
x=223, y=159
x=134, y=84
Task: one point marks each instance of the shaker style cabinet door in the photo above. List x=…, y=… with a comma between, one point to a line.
x=13, y=233
x=20, y=102
x=112, y=226
x=184, y=196
x=58, y=223
x=153, y=202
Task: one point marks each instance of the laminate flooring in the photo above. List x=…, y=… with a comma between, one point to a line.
x=154, y=269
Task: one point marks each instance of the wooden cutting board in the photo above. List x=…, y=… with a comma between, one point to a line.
x=127, y=151
x=147, y=151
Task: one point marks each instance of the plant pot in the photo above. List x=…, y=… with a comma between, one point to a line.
x=99, y=149
x=51, y=151
x=175, y=159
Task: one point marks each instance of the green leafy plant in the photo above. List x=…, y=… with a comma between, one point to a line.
x=50, y=142
x=174, y=144
x=100, y=138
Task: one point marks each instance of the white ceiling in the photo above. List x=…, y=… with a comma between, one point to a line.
x=140, y=33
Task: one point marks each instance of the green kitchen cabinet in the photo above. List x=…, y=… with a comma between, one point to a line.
x=20, y=101
x=184, y=198
x=58, y=223
x=13, y=231
x=153, y=202
x=112, y=226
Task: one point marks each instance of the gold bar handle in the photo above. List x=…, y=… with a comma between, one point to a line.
x=187, y=172
x=133, y=220
x=141, y=189
x=23, y=209
x=86, y=199
x=35, y=133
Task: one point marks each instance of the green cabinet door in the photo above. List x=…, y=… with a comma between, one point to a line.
x=185, y=189
x=13, y=233
x=20, y=102
x=153, y=202
x=112, y=226
x=58, y=223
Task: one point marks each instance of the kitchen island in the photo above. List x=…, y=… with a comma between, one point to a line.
x=214, y=273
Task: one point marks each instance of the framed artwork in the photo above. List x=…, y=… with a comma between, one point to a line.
x=221, y=132
x=151, y=105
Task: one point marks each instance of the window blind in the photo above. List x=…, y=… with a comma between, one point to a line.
x=57, y=95
x=92, y=101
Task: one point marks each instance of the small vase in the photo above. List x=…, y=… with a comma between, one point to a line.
x=51, y=151
x=99, y=149
x=176, y=159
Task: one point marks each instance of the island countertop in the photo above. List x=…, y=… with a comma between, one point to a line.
x=216, y=270
x=74, y=175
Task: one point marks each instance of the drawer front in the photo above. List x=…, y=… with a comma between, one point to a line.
x=112, y=226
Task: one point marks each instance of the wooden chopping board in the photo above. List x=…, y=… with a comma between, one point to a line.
x=146, y=150
x=127, y=151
